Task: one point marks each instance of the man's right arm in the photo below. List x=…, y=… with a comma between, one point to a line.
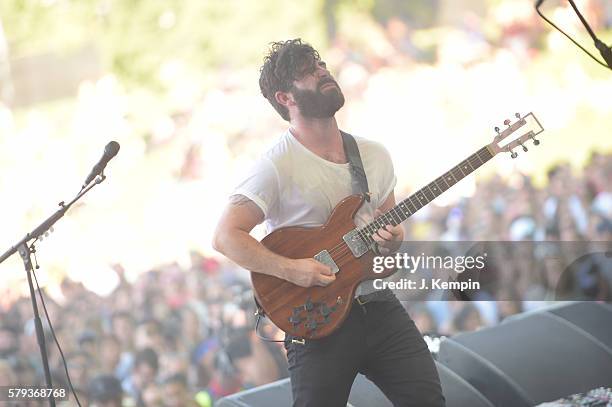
x=232, y=238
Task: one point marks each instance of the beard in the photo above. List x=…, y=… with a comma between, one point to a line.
x=316, y=104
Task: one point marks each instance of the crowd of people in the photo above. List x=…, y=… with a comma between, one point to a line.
x=184, y=336
x=556, y=245
x=172, y=337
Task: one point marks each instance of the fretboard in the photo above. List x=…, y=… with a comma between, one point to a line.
x=428, y=193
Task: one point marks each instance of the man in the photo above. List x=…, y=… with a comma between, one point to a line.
x=298, y=182
x=105, y=391
x=176, y=392
x=144, y=371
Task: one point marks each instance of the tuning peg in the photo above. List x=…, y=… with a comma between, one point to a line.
x=496, y=129
x=517, y=115
x=514, y=154
x=524, y=148
x=536, y=142
x=507, y=122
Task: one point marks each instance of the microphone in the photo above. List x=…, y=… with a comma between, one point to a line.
x=110, y=151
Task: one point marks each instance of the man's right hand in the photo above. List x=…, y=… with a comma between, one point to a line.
x=232, y=238
x=309, y=272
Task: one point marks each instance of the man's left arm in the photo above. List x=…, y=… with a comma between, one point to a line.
x=388, y=238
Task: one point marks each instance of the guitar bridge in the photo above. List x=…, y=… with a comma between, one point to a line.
x=355, y=243
x=325, y=258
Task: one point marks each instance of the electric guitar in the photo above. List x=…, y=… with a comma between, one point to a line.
x=315, y=312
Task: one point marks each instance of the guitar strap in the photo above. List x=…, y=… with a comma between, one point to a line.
x=359, y=184
x=359, y=181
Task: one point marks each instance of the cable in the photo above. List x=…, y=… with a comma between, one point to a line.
x=570, y=38
x=42, y=300
x=260, y=336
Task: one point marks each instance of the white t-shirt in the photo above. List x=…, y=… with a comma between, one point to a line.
x=295, y=187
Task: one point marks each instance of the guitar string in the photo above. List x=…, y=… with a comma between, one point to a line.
x=342, y=246
x=342, y=249
x=360, y=232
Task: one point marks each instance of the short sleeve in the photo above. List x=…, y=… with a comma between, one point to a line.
x=261, y=185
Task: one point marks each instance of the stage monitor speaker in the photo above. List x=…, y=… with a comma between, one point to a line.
x=364, y=393
x=592, y=317
x=533, y=358
x=272, y=394
x=458, y=393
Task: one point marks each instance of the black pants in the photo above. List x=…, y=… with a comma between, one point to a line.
x=379, y=340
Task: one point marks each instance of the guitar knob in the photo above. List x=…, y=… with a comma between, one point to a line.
x=524, y=148
x=517, y=115
x=325, y=310
x=507, y=122
x=496, y=129
x=312, y=324
x=536, y=142
x=514, y=154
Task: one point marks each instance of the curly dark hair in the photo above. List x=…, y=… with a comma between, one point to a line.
x=286, y=62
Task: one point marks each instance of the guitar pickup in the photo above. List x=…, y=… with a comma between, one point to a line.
x=355, y=243
x=325, y=258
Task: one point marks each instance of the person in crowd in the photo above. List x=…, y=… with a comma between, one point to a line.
x=105, y=391
x=176, y=392
x=93, y=330
x=144, y=371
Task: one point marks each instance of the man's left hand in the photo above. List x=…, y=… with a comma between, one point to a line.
x=389, y=238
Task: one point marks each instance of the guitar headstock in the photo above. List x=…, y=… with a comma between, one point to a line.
x=517, y=134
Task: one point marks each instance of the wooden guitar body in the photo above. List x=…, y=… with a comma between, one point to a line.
x=315, y=312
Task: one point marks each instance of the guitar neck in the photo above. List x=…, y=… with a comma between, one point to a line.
x=428, y=193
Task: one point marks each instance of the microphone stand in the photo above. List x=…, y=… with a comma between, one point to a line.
x=604, y=50
x=25, y=250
